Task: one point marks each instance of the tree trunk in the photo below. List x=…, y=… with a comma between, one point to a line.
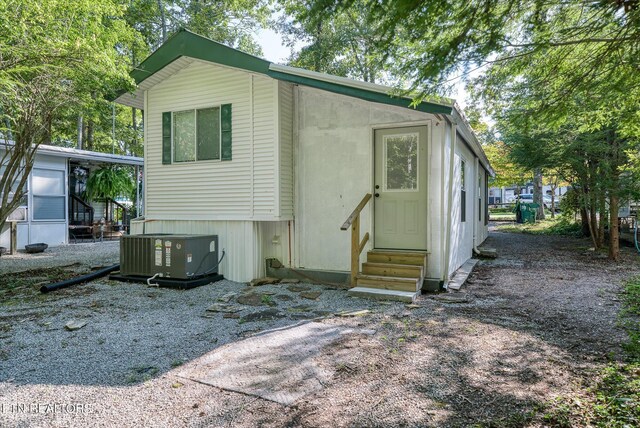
x=602, y=208
x=80, y=131
x=163, y=21
x=614, y=201
x=537, y=193
x=584, y=222
x=89, y=140
x=614, y=235
x=554, y=186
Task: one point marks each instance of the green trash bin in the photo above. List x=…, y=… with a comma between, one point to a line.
x=528, y=212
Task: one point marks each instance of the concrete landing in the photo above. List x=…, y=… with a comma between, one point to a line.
x=487, y=252
x=382, y=294
x=280, y=365
x=461, y=275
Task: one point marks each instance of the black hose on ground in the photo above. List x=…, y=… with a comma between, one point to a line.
x=79, y=280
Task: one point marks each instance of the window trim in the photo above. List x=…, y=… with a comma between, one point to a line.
x=384, y=160
x=34, y=195
x=195, y=124
x=463, y=190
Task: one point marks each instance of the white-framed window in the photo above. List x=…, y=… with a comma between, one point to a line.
x=196, y=134
x=48, y=195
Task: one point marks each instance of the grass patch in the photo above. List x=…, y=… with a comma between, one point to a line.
x=556, y=226
x=16, y=287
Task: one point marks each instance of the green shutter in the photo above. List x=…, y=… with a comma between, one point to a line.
x=225, y=125
x=166, y=138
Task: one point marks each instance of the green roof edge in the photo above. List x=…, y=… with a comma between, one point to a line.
x=186, y=43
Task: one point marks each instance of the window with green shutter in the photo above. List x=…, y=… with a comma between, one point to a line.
x=197, y=135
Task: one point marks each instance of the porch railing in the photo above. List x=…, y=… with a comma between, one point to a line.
x=115, y=210
x=81, y=213
x=356, y=244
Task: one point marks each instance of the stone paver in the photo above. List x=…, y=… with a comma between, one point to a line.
x=278, y=366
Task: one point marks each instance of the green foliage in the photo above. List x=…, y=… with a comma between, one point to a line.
x=630, y=317
x=111, y=181
x=343, y=44
x=613, y=400
x=557, y=226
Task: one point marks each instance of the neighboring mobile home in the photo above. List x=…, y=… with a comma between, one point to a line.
x=273, y=159
x=53, y=210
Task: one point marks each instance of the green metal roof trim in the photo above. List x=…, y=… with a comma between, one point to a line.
x=364, y=94
x=186, y=43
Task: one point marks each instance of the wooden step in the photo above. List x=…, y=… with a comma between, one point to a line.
x=377, y=293
x=389, y=283
x=398, y=257
x=389, y=269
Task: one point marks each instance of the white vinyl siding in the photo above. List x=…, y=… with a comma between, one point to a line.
x=264, y=146
x=285, y=105
x=241, y=189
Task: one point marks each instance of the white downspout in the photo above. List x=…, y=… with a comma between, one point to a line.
x=447, y=254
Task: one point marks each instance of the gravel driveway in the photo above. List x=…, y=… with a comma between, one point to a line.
x=527, y=327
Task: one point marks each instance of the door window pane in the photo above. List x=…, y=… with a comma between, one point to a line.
x=401, y=158
x=184, y=136
x=208, y=133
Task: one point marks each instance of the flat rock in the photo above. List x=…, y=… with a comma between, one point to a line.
x=227, y=297
x=289, y=281
x=251, y=299
x=297, y=288
x=231, y=315
x=283, y=297
x=354, y=313
x=311, y=295
x=299, y=308
x=263, y=281
x=74, y=325
x=221, y=307
x=269, y=314
x=452, y=298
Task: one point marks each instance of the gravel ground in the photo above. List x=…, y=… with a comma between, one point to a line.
x=89, y=254
x=529, y=326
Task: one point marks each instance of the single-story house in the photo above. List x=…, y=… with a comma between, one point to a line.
x=273, y=159
x=53, y=210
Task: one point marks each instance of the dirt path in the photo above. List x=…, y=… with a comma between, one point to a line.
x=529, y=326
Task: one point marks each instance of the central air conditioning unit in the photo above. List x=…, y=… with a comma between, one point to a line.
x=179, y=257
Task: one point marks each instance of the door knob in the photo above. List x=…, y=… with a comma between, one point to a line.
x=377, y=186
x=377, y=195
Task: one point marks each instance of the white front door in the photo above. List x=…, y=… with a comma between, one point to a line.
x=400, y=203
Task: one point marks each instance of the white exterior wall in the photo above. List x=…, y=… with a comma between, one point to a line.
x=51, y=232
x=334, y=170
x=245, y=188
x=285, y=116
x=462, y=232
x=482, y=230
x=247, y=243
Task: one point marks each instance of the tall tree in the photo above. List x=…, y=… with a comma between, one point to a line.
x=344, y=44
x=53, y=56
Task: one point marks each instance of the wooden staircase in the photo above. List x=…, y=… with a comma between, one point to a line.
x=387, y=275
x=391, y=275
